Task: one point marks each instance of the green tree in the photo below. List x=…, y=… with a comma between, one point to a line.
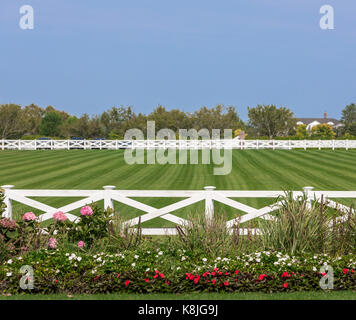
x=349, y=115
x=270, y=121
x=11, y=121
x=51, y=124
x=323, y=131
x=32, y=118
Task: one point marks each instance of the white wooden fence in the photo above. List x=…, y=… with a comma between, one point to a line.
x=175, y=144
x=209, y=195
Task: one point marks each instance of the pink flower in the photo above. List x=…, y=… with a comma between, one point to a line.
x=81, y=244
x=52, y=243
x=59, y=216
x=29, y=216
x=86, y=211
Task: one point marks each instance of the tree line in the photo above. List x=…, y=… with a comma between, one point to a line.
x=264, y=121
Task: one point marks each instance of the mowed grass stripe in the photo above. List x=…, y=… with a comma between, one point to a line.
x=251, y=170
x=316, y=171
x=41, y=170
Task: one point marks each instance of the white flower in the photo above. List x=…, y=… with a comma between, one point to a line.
x=9, y=261
x=133, y=264
x=148, y=269
x=183, y=258
x=314, y=269
x=9, y=274
x=178, y=268
x=19, y=258
x=205, y=259
x=160, y=253
x=136, y=256
x=79, y=259
x=258, y=259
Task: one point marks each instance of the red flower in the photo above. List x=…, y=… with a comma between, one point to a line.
x=216, y=269
x=213, y=281
x=285, y=275
x=237, y=271
x=285, y=285
x=345, y=271
x=161, y=275
x=96, y=278
x=226, y=273
x=187, y=276
x=118, y=275
x=205, y=274
x=220, y=273
x=155, y=276
x=213, y=273
x=127, y=282
x=167, y=283
x=262, y=276
x=147, y=280
x=226, y=283
x=191, y=277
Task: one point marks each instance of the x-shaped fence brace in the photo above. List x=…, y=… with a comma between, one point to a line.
x=209, y=195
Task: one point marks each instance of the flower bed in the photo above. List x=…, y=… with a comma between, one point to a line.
x=159, y=271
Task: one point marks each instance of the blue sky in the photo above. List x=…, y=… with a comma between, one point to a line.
x=89, y=55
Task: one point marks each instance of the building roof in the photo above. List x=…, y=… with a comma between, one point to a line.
x=320, y=120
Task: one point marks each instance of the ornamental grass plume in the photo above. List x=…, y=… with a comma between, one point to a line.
x=300, y=227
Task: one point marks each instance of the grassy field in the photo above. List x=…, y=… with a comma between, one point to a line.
x=251, y=170
x=333, y=295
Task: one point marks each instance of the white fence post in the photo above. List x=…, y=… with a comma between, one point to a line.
x=209, y=203
x=108, y=202
x=307, y=192
x=7, y=201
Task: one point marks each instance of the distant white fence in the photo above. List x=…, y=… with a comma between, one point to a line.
x=208, y=195
x=175, y=144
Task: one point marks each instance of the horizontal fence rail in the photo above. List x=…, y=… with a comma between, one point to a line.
x=175, y=144
x=209, y=195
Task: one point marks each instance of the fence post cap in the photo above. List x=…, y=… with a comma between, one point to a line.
x=9, y=186
x=109, y=187
x=209, y=188
x=306, y=189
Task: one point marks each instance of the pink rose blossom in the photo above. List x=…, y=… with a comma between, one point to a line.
x=52, y=243
x=86, y=211
x=81, y=244
x=59, y=216
x=29, y=216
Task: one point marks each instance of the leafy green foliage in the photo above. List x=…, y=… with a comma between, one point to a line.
x=323, y=131
x=268, y=120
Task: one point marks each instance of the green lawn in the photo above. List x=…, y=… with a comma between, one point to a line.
x=333, y=295
x=252, y=170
